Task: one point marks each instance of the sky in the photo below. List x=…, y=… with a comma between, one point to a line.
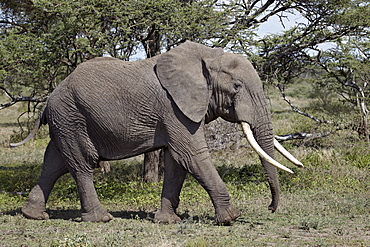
x=274, y=26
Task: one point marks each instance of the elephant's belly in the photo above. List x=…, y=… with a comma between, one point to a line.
x=126, y=151
x=128, y=142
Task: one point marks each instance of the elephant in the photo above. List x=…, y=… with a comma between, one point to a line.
x=109, y=109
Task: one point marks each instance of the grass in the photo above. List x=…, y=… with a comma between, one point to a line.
x=327, y=203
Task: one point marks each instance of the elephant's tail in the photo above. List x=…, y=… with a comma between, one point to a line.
x=40, y=120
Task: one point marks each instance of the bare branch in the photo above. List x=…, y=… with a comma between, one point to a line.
x=15, y=100
x=295, y=109
x=250, y=17
x=302, y=135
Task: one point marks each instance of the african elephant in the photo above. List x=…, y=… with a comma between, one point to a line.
x=109, y=109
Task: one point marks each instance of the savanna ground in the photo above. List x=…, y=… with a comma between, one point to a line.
x=327, y=203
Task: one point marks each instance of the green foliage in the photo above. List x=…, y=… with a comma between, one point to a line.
x=245, y=174
x=18, y=179
x=358, y=156
x=330, y=52
x=43, y=41
x=325, y=169
x=41, y=46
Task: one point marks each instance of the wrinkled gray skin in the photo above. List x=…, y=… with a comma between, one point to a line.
x=108, y=109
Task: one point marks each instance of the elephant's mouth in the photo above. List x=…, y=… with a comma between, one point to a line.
x=252, y=141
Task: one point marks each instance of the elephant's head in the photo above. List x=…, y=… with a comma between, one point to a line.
x=207, y=83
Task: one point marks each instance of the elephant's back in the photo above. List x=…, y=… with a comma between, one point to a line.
x=118, y=101
x=115, y=82
x=110, y=81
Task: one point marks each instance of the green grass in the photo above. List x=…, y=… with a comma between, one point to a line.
x=327, y=203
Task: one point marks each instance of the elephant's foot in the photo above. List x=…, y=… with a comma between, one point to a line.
x=34, y=211
x=166, y=218
x=273, y=206
x=226, y=215
x=97, y=215
x=34, y=208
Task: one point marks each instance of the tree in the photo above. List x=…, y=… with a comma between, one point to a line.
x=347, y=72
x=303, y=49
x=46, y=40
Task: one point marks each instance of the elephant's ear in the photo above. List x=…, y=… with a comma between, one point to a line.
x=182, y=72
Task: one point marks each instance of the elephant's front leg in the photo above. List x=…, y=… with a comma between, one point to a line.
x=204, y=171
x=91, y=208
x=174, y=176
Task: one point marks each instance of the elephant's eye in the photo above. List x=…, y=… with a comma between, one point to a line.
x=237, y=85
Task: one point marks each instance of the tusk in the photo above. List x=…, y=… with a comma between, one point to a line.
x=252, y=141
x=286, y=154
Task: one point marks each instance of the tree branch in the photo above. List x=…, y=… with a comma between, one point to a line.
x=295, y=109
x=301, y=135
x=14, y=100
x=249, y=18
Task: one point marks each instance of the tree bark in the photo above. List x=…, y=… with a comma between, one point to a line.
x=153, y=166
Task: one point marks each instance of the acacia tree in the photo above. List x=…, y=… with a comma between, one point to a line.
x=341, y=25
x=346, y=69
x=43, y=41
x=64, y=34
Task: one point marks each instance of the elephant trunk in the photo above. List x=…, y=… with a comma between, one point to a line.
x=264, y=146
x=267, y=153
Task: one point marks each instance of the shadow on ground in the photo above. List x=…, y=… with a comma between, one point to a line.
x=75, y=215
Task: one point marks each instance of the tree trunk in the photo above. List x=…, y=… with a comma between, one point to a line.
x=152, y=43
x=153, y=166
x=153, y=161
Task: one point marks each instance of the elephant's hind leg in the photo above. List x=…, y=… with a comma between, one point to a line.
x=53, y=168
x=92, y=210
x=81, y=157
